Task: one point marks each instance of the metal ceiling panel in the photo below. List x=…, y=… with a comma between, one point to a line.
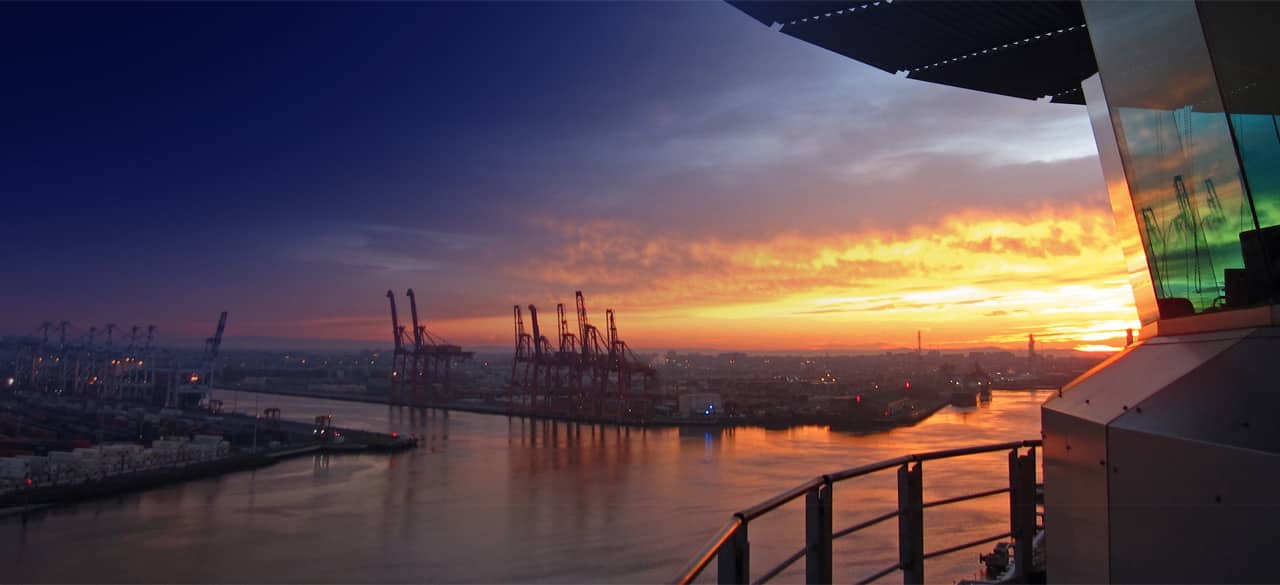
x=1018, y=48
x=1016, y=70
x=771, y=11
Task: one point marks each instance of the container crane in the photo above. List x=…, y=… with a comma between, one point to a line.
x=591, y=373
x=1190, y=226
x=419, y=357
x=569, y=363
x=543, y=364
x=519, y=384
x=1217, y=216
x=197, y=387
x=1155, y=236
x=426, y=379
x=399, y=356
x=624, y=364
x=594, y=360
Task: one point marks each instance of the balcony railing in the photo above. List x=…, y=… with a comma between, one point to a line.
x=731, y=547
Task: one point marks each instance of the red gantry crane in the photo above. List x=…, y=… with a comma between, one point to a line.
x=626, y=401
x=521, y=363
x=567, y=377
x=399, y=356
x=433, y=361
x=586, y=374
x=420, y=372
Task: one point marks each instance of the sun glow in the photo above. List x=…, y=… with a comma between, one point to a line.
x=972, y=279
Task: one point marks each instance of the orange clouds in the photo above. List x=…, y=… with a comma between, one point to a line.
x=971, y=279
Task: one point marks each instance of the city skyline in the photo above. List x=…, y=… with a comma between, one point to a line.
x=719, y=185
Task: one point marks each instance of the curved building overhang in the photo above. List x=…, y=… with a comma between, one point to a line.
x=1030, y=50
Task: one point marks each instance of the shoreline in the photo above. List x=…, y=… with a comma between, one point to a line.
x=362, y=441
x=44, y=495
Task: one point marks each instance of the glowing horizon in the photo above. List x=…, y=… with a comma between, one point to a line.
x=972, y=279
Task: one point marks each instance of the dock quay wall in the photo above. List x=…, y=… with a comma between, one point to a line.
x=54, y=486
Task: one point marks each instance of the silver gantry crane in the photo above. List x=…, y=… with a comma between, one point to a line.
x=196, y=387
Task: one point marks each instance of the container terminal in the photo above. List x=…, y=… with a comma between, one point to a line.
x=582, y=372
x=88, y=413
x=83, y=418
x=588, y=373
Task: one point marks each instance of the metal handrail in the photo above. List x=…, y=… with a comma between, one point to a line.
x=780, y=567
x=970, y=544
x=963, y=498
x=820, y=487
x=881, y=573
x=864, y=524
x=781, y=499
x=700, y=562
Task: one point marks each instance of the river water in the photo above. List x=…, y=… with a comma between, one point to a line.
x=490, y=499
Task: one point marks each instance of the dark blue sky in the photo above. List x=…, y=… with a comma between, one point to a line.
x=290, y=162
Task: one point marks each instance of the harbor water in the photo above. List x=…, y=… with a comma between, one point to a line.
x=489, y=499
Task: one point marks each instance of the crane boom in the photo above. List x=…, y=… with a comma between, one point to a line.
x=567, y=341
x=537, y=333
x=413, y=311
x=395, y=320
x=588, y=337
x=519, y=324
x=217, y=336
x=613, y=329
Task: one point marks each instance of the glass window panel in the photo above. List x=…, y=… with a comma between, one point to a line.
x=1136, y=260
x=1240, y=37
x=1177, y=149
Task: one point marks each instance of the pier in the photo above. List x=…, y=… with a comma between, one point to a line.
x=222, y=444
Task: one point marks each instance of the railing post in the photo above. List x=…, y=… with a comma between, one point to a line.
x=911, y=523
x=1022, y=510
x=817, y=529
x=735, y=558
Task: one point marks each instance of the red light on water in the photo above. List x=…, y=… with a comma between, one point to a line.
x=29, y=482
x=858, y=399
x=907, y=385
x=395, y=435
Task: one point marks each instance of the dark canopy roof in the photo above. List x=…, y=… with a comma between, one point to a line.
x=1025, y=49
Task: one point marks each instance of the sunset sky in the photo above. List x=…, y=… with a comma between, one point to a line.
x=721, y=185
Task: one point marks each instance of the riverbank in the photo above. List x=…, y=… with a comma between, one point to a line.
x=39, y=495
x=62, y=457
